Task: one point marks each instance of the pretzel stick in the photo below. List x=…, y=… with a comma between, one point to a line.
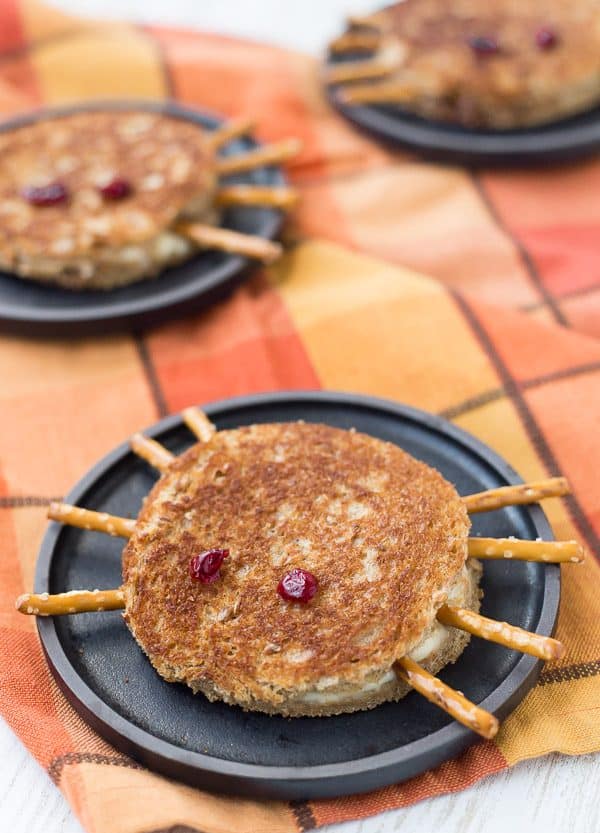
x=385, y=92
x=514, y=495
x=231, y=130
x=86, y=519
x=199, y=424
x=75, y=601
x=501, y=632
x=367, y=21
x=272, y=197
x=259, y=157
x=360, y=71
x=151, y=451
x=550, y=552
x=353, y=41
x=225, y=240
x=451, y=701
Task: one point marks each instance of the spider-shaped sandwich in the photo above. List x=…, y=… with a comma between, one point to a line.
x=102, y=198
x=301, y=569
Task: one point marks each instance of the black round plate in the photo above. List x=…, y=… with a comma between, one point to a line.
x=35, y=309
x=104, y=674
x=559, y=141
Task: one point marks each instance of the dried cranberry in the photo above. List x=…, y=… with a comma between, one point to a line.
x=297, y=586
x=483, y=45
x=116, y=189
x=51, y=194
x=206, y=566
x=546, y=37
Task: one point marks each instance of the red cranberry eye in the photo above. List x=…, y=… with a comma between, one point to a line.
x=116, y=189
x=297, y=586
x=205, y=567
x=51, y=194
x=546, y=37
x=483, y=45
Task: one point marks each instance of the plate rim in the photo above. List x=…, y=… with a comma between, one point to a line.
x=500, y=701
x=99, y=313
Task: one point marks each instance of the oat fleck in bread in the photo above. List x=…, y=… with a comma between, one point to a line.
x=89, y=242
x=499, y=63
x=385, y=535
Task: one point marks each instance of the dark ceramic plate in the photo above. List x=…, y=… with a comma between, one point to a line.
x=560, y=141
x=108, y=680
x=33, y=309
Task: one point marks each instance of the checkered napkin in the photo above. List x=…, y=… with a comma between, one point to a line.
x=501, y=338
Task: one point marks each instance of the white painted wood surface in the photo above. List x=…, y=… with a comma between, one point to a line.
x=555, y=794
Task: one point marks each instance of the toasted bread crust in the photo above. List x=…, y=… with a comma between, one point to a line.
x=519, y=85
x=349, y=698
x=90, y=241
x=384, y=534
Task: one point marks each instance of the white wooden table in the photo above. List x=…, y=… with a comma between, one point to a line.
x=554, y=794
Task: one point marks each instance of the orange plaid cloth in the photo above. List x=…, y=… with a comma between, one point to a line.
x=323, y=317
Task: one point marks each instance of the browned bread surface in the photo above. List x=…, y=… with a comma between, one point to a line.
x=518, y=85
x=347, y=698
x=165, y=160
x=384, y=534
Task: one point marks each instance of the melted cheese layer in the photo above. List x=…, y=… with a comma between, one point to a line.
x=329, y=690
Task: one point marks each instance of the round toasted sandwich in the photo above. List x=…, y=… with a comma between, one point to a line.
x=285, y=568
x=88, y=199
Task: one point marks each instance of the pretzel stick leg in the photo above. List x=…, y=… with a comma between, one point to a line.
x=348, y=71
x=367, y=21
x=86, y=519
x=385, y=92
x=225, y=240
x=271, y=197
x=199, y=424
x=151, y=451
x=355, y=41
x=258, y=158
x=549, y=552
x=510, y=636
x=515, y=495
x=451, y=701
x=231, y=130
x=75, y=601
